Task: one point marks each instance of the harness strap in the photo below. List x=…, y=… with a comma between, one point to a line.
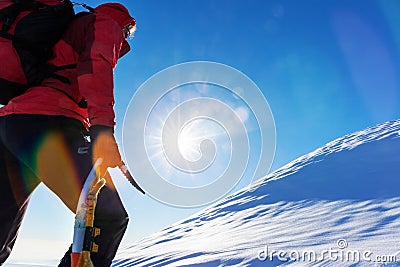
x=51, y=69
x=6, y=35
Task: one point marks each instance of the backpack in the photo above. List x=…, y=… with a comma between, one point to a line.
x=28, y=31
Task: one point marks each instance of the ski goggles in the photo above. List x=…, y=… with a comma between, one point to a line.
x=129, y=30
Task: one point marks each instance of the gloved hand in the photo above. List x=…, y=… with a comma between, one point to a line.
x=104, y=146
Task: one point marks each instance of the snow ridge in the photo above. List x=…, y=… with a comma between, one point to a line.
x=343, y=196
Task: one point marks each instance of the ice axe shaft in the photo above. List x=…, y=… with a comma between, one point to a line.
x=84, y=230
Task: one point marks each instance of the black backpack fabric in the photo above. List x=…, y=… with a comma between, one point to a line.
x=28, y=31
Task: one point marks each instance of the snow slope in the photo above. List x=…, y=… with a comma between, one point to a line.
x=336, y=206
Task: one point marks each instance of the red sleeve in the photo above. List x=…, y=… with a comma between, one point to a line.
x=95, y=69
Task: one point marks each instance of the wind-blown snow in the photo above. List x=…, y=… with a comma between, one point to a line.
x=336, y=206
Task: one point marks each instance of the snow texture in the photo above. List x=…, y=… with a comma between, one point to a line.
x=336, y=206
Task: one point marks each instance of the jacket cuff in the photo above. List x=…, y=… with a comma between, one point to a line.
x=95, y=130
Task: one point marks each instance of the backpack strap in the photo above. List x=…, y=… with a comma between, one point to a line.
x=50, y=73
x=10, y=13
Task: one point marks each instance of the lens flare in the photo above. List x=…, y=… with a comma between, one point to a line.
x=194, y=131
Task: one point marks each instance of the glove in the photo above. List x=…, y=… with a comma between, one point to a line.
x=105, y=147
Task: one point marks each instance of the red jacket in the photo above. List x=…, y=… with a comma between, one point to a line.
x=93, y=44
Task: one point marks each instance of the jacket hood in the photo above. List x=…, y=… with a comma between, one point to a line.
x=118, y=12
x=121, y=15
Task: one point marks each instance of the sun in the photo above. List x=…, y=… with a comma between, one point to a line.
x=189, y=140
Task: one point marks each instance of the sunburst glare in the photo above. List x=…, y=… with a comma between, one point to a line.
x=186, y=148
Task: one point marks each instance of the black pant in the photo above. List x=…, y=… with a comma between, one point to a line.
x=53, y=150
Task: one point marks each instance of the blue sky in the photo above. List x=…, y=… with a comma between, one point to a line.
x=327, y=68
